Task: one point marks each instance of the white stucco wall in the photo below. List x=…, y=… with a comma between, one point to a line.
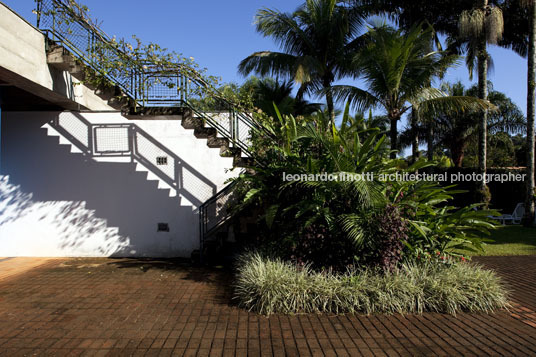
x=59, y=203
x=22, y=52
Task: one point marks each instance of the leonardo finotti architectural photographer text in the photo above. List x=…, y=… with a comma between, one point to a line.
x=405, y=176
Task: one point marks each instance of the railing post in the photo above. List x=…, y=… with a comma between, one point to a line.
x=53, y=26
x=237, y=126
x=133, y=147
x=91, y=140
x=201, y=233
x=39, y=7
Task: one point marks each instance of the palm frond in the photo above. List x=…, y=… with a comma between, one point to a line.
x=454, y=105
x=267, y=63
x=359, y=99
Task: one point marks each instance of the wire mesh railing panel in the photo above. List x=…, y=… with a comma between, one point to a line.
x=148, y=84
x=223, y=119
x=199, y=189
x=243, y=132
x=76, y=127
x=151, y=152
x=91, y=45
x=218, y=211
x=112, y=140
x=161, y=90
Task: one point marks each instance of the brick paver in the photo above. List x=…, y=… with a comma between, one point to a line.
x=125, y=307
x=10, y=267
x=519, y=272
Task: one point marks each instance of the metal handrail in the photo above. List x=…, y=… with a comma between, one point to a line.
x=81, y=38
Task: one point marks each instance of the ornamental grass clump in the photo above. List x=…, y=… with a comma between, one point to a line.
x=269, y=286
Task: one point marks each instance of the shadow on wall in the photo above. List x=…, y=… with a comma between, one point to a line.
x=80, y=207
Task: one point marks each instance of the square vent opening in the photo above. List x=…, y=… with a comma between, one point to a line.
x=161, y=160
x=163, y=227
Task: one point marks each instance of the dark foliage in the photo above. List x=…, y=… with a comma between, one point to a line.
x=391, y=232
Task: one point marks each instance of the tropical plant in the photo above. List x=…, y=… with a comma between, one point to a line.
x=455, y=131
x=479, y=27
x=315, y=41
x=267, y=92
x=297, y=212
x=271, y=285
x=436, y=225
x=443, y=16
x=333, y=200
x=398, y=68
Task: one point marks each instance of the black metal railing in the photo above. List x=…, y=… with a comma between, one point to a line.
x=150, y=85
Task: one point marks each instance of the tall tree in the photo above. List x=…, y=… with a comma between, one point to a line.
x=455, y=131
x=267, y=92
x=315, y=41
x=398, y=68
x=531, y=97
x=479, y=27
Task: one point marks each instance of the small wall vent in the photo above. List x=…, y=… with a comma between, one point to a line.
x=163, y=227
x=161, y=160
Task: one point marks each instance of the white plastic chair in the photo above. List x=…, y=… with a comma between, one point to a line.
x=515, y=217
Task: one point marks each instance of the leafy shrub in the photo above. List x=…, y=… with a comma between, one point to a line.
x=333, y=224
x=274, y=286
x=388, y=231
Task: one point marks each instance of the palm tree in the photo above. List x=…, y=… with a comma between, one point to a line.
x=398, y=68
x=531, y=95
x=454, y=131
x=481, y=26
x=267, y=92
x=315, y=42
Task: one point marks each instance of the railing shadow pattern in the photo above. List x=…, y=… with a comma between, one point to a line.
x=130, y=141
x=150, y=85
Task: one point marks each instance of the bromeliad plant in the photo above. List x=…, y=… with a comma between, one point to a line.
x=334, y=223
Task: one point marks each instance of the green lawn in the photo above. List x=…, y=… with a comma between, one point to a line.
x=511, y=240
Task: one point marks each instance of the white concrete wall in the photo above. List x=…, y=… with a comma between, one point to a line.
x=59, y=203
x=22, y=51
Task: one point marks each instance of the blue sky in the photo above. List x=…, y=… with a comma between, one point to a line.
x=219, y=34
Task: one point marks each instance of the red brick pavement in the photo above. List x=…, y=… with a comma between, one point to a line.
x=520, y=275
x=117, y=308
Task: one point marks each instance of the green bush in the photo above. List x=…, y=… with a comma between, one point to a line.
x=271, y=286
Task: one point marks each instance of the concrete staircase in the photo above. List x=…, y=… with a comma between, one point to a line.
x=214, y=140
x=60, y=58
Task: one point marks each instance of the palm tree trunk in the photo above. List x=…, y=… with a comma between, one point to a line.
x=415, y=137
x=457, y=151
x=301, y=93
x=483, y=127
x=394, y=134
x=531, y=97
x=329, y=100
x=430, y=141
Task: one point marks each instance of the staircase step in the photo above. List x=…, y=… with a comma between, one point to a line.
x=216, y=142
x=118, y=102
x=243, y=161
x=59, y=58
x=205, y=133
x=230, y=152
x=192, y=123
